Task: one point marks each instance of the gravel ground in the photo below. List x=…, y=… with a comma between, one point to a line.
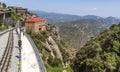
x=29, y=60
x=3, y=43
x=15, y=55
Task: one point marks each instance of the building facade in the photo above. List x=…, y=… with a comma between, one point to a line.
x=4, y=15
x=36, y=24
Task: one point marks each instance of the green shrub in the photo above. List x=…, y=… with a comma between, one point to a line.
x=101, y=54
x=54, y=62
x=54, y=69
x=2, y=28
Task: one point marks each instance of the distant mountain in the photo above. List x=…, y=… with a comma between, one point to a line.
x=58, y=17
x=109, y=20
x=77, y=30
x=101, y=53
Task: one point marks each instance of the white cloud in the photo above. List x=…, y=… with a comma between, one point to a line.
x=94, y=8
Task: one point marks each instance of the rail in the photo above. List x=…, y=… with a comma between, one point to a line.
x=3, y=32
x=6, y=57
x=41, y=64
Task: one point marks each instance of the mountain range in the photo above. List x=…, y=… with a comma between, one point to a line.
x=55, y=18
x=77, y=30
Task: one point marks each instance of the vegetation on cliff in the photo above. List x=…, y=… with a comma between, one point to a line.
x=77, y=33
x=47, y=42
x=101, y=53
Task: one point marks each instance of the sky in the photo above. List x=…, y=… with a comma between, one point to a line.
x=103, y=8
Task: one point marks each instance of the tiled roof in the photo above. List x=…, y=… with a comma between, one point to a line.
x=37, y=19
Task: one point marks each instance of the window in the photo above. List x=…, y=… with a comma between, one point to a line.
x=39, y=29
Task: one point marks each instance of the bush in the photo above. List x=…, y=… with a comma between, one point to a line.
x=54, y=69
x=101, y=54
x=54, y=62
x=2, y=28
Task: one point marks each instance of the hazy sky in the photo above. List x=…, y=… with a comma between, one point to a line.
x=102, y=8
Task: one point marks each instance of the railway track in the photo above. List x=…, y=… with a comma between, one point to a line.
x=3, y=33
x=6, y=57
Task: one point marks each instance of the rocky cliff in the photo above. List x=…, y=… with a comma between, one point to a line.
x=53, y=51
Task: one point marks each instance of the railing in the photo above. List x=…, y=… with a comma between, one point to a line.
x=39, y=59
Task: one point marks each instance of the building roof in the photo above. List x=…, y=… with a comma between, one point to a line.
x=36, y=19
x=2, y=11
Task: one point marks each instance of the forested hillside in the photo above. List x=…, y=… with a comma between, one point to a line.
x=101, y=53
x=77, y=33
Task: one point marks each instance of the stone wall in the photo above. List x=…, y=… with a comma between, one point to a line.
x=36, y=27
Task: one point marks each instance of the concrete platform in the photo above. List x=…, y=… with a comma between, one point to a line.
x=29, y=60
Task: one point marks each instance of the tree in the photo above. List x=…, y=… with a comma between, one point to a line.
x=4, y=5
x=101, y=54
x=13, y=15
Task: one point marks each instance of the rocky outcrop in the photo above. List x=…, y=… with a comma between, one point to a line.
x=53, y=31
x=54, y=47
x=48, y=48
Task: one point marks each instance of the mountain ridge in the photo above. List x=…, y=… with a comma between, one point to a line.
x=73, y=28
x=55, y=18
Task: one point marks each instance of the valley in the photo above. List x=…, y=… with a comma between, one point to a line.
x=77, y=30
